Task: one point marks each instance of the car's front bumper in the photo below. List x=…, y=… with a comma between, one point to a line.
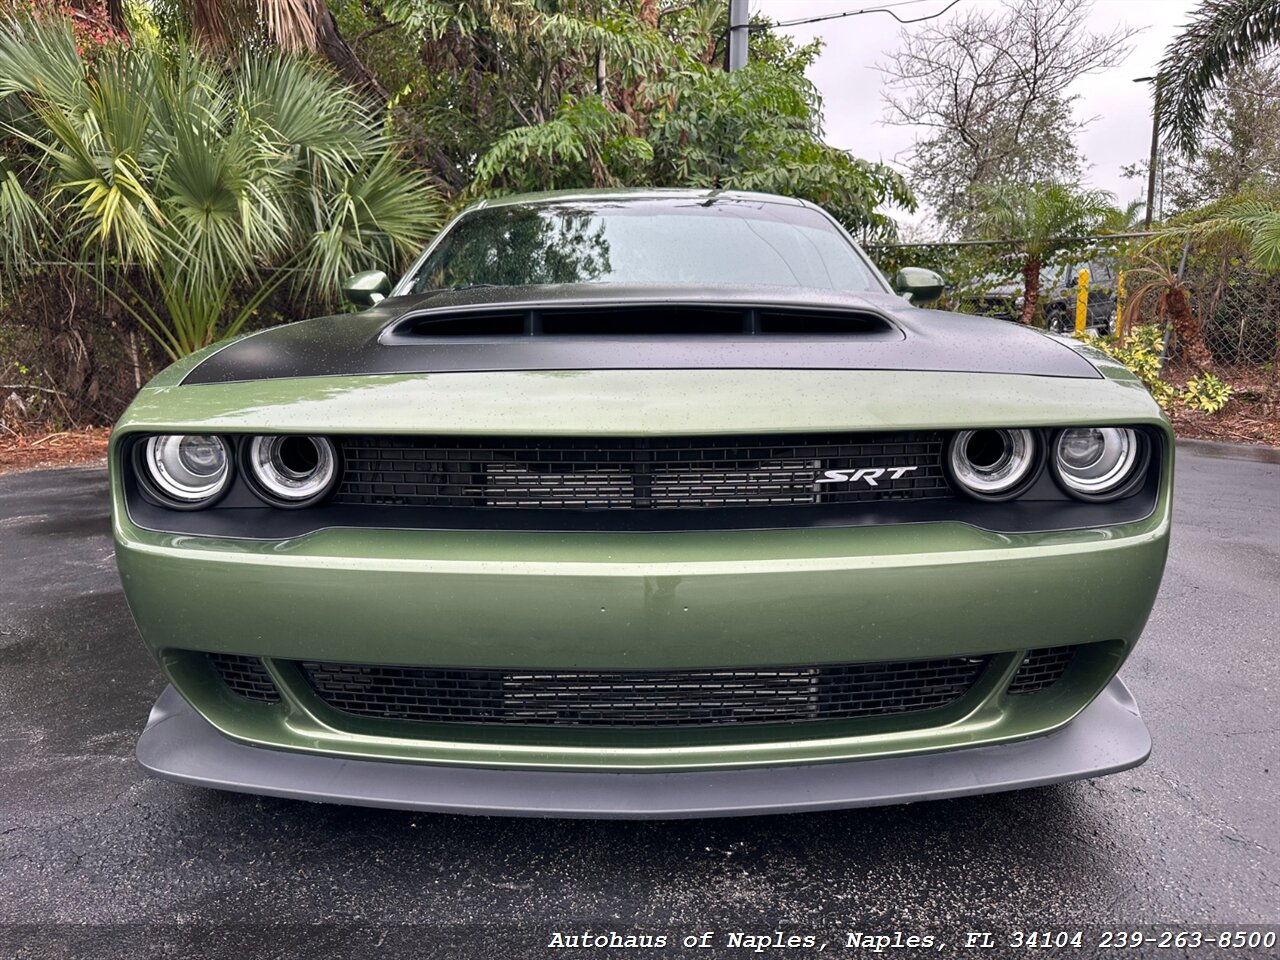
x=613, y=601
x=1109, y=736
x=623, y=602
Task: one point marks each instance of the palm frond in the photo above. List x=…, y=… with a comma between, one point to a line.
x=181, y=180
x=1222, y=34
x=382, y=214
x=1036, y=215
x=211, y=26
x=1265, y=243
x=1124, y=219
x=290, y=23
x=307, y=111
x=22, y=224
x=41, y=58
x=1247, y=222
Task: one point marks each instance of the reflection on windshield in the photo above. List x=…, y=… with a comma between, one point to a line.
x=725, y=241
x=514, y=246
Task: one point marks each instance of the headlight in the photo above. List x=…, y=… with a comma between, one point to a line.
x=191, y=470
x=1096, y=462
x=292, y=470
x=992, y=464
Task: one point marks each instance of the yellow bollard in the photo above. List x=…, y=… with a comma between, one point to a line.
x=1082, y=300
x=1118, y=327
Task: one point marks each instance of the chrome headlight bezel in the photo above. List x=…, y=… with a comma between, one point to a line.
x=276, y=483
x=1132, y=452
x=167, y=479
x=1003, y=479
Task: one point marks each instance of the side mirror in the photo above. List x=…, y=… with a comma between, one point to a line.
x=367, y=288
x=918, y=284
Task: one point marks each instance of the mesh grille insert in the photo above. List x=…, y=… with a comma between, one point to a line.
x=644, y=698
x=1041, y=669
x=663, y=473
x=245, y=676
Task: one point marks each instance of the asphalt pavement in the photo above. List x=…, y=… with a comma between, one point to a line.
x=98, y=859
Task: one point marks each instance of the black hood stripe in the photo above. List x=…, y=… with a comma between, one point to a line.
x=357, y=344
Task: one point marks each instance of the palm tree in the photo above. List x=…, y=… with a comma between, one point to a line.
x=1222, y=34
x=179, y=179
x=1039, y=218
x=1126, y=219
x=1252, y=221
x=1172, y=304
x=294, y=26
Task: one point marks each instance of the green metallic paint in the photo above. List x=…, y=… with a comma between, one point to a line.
x=985, y=716
x=639, y=601
x=366, y=288
x=642, y=600
x=639, y=402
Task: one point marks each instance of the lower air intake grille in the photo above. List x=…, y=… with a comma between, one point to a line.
x=673, y=698
x=651, y=473
x=1041, y=669
x=245, y=676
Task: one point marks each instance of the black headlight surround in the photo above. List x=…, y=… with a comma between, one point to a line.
x=1137, y=472
x=1013, y=493
x=251, y=480
x=142, y=472
x=1043, y=507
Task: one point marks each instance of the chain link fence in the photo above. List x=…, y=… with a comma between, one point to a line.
x=1239, y=313
x=1236, y=305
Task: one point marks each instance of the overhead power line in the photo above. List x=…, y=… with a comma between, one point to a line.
x=883, y=8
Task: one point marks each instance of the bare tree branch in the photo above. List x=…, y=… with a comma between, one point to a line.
x=991, y=88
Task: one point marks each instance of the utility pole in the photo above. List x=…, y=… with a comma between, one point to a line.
x=738, y=33
x=1154, y=159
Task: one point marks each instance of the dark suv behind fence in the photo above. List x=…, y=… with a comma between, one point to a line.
x=1058, y=292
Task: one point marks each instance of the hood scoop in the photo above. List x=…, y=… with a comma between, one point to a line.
x=726, y=330
x=665, y=321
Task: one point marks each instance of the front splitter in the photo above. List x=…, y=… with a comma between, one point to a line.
x=1107, y=737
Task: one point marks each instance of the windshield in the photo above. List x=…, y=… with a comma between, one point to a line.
x=695, y=240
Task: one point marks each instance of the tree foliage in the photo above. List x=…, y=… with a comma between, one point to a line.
x=991, y=88
x=1043, y=218
x=171, y=174
x=192, y=157
x=1222, y=35
x=1238, y=149
x=1246, y=224
x=584, y=93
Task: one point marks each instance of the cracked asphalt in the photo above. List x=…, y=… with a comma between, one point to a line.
x=97, y=859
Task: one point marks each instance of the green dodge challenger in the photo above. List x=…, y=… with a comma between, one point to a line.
x=641, y=504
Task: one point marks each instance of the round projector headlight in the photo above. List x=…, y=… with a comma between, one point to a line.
x=291, y=470
x=1096, y=462
x=992, y=464
x=189, y=469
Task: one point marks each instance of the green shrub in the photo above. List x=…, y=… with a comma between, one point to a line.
x=1142, y=351
x=1206, y=392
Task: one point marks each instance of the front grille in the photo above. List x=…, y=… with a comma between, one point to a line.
x=665, y=473
x=245, y=676
x=672, y=698
x=1041, y=669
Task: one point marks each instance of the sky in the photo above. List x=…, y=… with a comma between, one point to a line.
x=845, y=74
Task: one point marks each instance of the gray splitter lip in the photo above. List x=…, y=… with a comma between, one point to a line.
x=1107, y=737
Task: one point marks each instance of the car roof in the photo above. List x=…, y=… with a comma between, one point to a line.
x=636, y=193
